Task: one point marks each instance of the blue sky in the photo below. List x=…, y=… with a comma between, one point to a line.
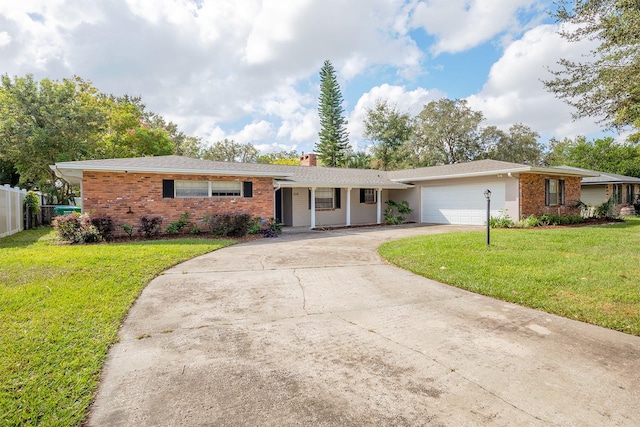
x=248, y=69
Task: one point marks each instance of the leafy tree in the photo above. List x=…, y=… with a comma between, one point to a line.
x=333, y=146
x=606, y=85
x=128, y=134
x=8, y=173
x=520, y=145
x=184, y=145
x=389, y=130
x=45, y=122
x=231, y=151
x=602, y=154
x=359, y=160
x=290, y=158
x=445, y=132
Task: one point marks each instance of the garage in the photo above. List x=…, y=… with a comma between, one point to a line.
x=462, y=204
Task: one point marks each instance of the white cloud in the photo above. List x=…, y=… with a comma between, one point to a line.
x=514, y=92
x=5, y=38
x=252, y=132
x=463, y=24
x=248, y=69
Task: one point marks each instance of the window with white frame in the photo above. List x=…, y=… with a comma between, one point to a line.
x=192, y=188
x=184, y=189
x=369, y=195
x=325, y=198
x=226, y=188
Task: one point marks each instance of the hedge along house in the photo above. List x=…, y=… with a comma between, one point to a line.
x=312, y=196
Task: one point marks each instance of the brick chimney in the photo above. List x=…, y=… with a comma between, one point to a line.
x=309, y=160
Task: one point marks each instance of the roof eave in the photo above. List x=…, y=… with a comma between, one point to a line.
x=221, y=172
x=320, y=184
x=508, y=172
x=462, y=175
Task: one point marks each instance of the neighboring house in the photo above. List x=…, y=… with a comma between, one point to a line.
x=624, y=191
x=312, y=196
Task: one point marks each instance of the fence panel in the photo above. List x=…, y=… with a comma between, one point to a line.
x=11, y=210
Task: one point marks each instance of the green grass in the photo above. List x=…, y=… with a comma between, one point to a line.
x=591, y=274
x=60, y=309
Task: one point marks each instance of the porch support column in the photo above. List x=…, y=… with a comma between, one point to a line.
x=313, y=207
x=379, y=199
x=348, y=206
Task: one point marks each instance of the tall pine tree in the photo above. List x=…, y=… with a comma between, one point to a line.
x=333, y=148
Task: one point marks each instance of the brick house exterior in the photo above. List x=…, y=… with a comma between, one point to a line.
x=533, y=198
x=309, y=195
x=127, y=197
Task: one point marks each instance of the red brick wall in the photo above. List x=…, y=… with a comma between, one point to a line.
x=532, y=195
x=114, y=193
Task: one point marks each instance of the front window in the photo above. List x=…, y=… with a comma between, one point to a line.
x=554, y=192
x=324, y=198
x=225, y=188
x=192, y=188
x=630, y=193
x=370, y=195
x=208, y=189
x=617, y=194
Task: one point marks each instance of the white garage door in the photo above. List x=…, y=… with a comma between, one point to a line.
x=461, y=204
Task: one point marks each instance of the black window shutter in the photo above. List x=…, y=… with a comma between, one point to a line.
x=247, y=189
x=309, y=199
x=561, y=189
x=362, y=196
x=167, y=188
x=337, y=204
x=546, y=192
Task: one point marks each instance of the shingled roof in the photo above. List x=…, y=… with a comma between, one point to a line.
x=475, y=168
x=286, y=176
x=604, y=177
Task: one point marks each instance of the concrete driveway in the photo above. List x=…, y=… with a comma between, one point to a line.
x=315, y=329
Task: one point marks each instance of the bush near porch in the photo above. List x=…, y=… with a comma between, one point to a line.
x=591, y=274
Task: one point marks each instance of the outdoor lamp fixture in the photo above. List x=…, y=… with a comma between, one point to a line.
x=487, y=195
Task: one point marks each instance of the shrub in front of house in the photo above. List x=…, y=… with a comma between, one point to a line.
x=150, y=226
x=503, y=221
x=105, y=226
x=76, y=228
x=395, y=212
x=229, y=224
x=182, y=224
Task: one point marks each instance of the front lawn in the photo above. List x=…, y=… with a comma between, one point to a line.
x=60, y=309
x=591, y=274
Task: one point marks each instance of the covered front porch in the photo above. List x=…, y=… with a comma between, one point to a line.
x=316, y=206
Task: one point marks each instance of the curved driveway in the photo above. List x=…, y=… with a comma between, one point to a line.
x=315, y=329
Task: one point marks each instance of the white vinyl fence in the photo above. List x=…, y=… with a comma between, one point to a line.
x=11, y=210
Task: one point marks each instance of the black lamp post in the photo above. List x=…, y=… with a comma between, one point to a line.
x=487, y=195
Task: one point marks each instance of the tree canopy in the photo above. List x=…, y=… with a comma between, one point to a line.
x=333, y=147
x=519, y=145
x=290, y=158
x=45, y=122
x=389, y=130
x=606, y=85
x=447, y=131
x=231, y=151
x=603, y=154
